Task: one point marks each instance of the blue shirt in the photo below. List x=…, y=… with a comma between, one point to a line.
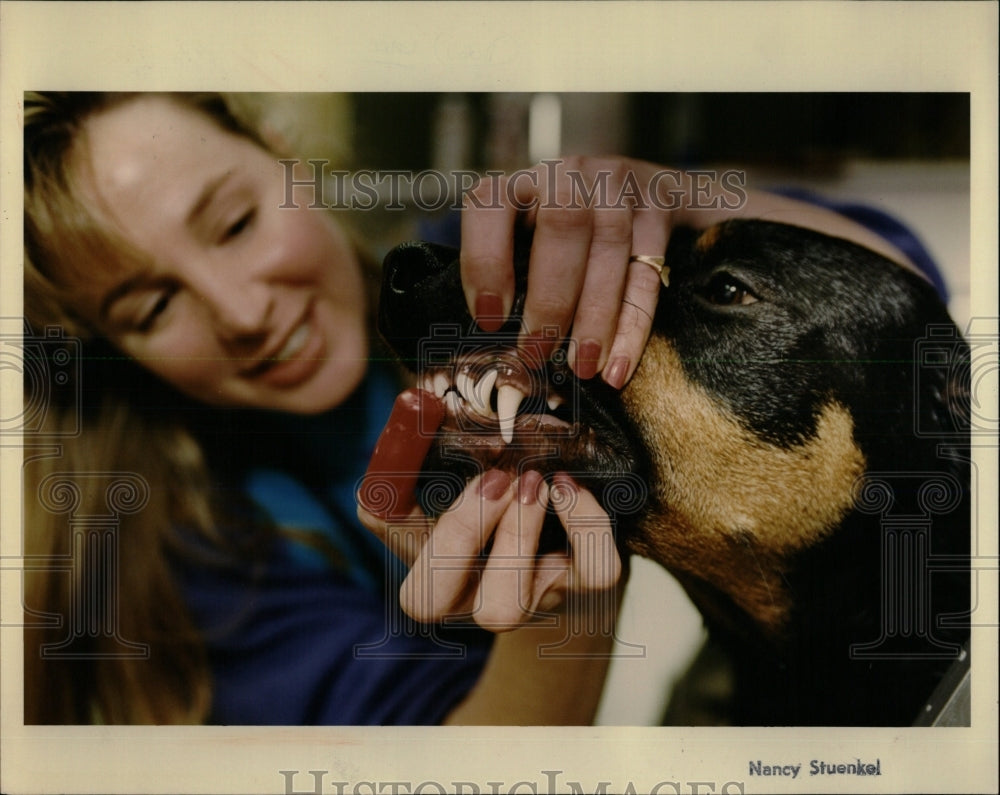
x=300, y=639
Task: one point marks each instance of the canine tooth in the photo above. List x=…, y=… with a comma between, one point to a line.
x=509, y=397
x=451, y=402
x=554, y=402
x=464, y=385
x=482, y=392
x=440, y=384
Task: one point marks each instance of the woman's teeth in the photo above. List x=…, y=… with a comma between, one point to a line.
x=481, y=396
x=294, y=344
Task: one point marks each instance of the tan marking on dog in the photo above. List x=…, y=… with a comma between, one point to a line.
x=707, y=239
x=729, y=508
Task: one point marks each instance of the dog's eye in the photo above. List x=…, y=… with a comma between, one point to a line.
x=724, y=289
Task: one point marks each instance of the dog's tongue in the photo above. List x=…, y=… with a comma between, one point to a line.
x=388, y=489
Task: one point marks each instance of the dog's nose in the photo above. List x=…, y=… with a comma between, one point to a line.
x=410, y=265
x=421, y=289
x=422, y=295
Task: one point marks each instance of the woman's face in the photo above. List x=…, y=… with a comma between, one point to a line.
x=245, y=302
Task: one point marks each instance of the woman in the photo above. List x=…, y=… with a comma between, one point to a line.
x=226, y=374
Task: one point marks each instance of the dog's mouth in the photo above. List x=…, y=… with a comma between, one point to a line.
x=505, y=411
x=506, y=407
x=497, y=396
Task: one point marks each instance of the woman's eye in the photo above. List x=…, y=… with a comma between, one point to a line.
x=240, y=226
x=158, y=307
x=726, y=290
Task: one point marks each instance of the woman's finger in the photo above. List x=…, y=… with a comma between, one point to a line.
x=404, y=536
x=560, y=249
x=634, y=323
x=505, y=598
x=596, y=562
x=650, y=233
x=489, y=216
x=439, y=583
x=595, y=319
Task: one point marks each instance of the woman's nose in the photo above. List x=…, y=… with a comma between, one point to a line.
x=239, y=309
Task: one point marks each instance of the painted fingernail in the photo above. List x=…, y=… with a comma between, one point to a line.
x=527, y=487
x=494, y=484
x=588, y=355
x=614, y=373
x=564, y=481
x=489, y=311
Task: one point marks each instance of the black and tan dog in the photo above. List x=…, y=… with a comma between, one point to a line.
x=790, y=451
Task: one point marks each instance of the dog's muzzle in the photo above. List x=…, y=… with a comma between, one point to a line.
x=505, y=407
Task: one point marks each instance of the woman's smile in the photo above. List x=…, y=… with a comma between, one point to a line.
x=232, y=295
x=300, y=355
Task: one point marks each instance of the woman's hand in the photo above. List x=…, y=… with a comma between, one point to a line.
x=591, y=217
x=480, y=559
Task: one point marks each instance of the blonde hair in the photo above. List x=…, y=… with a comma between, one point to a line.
x=115, y=426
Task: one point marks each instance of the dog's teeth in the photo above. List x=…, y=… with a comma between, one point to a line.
x=465, y=386
x=482, y=392
x=508, y=399
x=554, y=402
x=440, y=384
x=451, y=402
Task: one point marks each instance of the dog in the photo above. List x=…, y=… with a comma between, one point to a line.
x=787, y=450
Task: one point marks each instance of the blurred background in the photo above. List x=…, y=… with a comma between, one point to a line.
x=787, y=132
x=906, y=154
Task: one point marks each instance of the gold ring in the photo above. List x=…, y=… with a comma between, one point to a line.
x=656, y=263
